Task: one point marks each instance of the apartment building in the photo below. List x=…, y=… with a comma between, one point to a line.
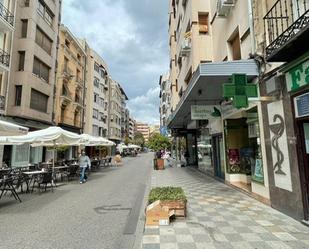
x=132, y=124
x=165, y=100
x=190, y=43
x=97, y=94
x=144, y=129
x=115, y=111
x=125, y=114
x=7, y=25
x=32, y=77
x=70, y=82
x=32, y=73
x=154, y=129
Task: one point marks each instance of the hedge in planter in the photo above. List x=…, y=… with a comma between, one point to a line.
x=173, y=197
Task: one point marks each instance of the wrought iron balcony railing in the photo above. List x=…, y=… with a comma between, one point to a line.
x=6, y=15
x=284, y=21
x=4, y=58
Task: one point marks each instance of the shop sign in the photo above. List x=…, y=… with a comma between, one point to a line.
x=201, y=112
x=298, y=76
x=302, y=105
x=240, y=90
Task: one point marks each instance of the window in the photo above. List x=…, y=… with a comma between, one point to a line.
x=203, y=22
x=45, y=12
x=26, y=3
x=234, y=43
x=95, y=130
x=40, y=69
x=96, y=67
x=21, y=64
x=38, y=101
x=43, y=40
x=96, y=98
x=102, y=102
x=95, y=114
x=18, y=94
x=24, y=28
x=96, y=82
x=67, y=43
x=79, y=57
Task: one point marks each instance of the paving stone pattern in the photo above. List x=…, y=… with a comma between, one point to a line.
x=219, y=216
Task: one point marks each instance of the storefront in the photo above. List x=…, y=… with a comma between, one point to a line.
x=245, y=165
x=297, y=80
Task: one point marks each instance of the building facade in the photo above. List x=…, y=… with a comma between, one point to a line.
x=249, y=138
x=125, y=115
x=281, y=38
x=97, y=94
x=33, y=72
x=132, y=124
x=144, y=129
x=165, y=100
x=115, y=111
x=70, y=82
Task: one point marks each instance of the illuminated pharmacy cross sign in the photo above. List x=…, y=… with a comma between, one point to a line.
x=239, y=90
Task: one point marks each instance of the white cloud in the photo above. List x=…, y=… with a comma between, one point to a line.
x=146, y=107
x=132, y=37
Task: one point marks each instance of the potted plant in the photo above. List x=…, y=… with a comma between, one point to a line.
x=172, y=197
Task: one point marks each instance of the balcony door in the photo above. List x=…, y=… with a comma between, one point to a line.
x=299, y=8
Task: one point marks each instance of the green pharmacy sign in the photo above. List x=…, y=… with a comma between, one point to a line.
x=240, y=90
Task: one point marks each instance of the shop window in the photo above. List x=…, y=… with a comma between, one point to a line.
x=203, y=23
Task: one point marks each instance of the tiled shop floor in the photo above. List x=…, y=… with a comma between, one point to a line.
x=219, y=216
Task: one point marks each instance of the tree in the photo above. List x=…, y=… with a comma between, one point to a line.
x=158, y=142
x=127, y=140
x=139, y=139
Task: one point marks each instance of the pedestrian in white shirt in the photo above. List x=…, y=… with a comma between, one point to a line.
x=84, y=162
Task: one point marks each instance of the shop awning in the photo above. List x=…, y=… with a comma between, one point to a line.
x=205, y=87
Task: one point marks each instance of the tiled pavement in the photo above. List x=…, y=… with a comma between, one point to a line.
x=221, y=217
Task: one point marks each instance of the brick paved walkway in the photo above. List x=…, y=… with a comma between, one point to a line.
x=221, y=217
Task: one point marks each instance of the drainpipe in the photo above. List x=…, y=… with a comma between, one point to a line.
x=251, y=27
x=84, y=90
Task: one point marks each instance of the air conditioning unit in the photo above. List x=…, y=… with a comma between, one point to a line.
x=185, y=47
x=224, y=7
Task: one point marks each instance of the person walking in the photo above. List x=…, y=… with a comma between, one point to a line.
x=84, y=162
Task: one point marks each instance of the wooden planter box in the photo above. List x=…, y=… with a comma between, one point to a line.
x=180, y=207
x=160, y=164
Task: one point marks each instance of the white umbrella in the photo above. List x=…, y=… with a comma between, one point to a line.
x=8, y=129
x=52, y=136
x=133, y=146
x=96, y=141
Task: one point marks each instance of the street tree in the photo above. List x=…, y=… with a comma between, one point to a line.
x=139, y=139
x=158, y=142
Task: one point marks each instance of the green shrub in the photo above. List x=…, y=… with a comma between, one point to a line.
x=166, y=193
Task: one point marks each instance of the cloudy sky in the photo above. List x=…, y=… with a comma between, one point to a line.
x=131, y=36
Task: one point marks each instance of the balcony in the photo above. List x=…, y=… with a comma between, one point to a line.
x=6, y=19
x=78, y=102
x=79, y=82
x=67, y=72
x=287, y=30
x=185, y=48
x=65, y=97
x=4, y=61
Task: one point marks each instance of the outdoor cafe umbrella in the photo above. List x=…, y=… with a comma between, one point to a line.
x=133, y=146
x=96, y=141
x=9, y=129
x=50, y=137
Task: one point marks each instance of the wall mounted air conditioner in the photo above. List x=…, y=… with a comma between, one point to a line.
x=185, y=47
x=224, y=7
